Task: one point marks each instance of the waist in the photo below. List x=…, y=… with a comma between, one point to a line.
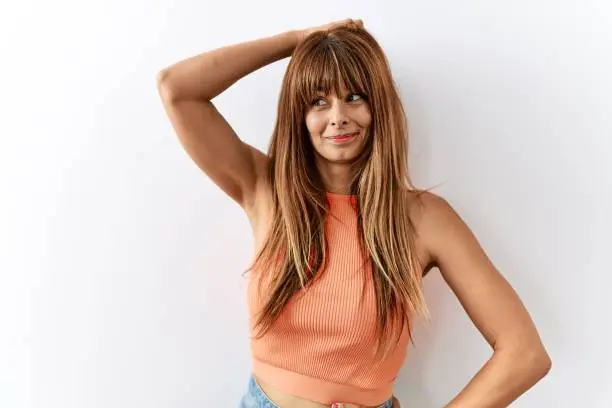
x=289, y=389
x=283, y=400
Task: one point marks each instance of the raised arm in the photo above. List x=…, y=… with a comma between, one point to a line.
x=187, y=88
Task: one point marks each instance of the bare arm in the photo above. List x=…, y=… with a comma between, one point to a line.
x=519, y=358
x=187, y=88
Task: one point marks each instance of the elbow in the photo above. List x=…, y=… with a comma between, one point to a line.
x=533, y=362
x=164, y=86
x=162, y=77
x=541, y=363
x=529, y=362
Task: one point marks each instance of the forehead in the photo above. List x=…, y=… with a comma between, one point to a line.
x=333, y=91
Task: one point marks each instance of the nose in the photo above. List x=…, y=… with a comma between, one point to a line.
x=338, y=115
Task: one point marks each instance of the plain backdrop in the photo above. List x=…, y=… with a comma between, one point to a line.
x=121, y=263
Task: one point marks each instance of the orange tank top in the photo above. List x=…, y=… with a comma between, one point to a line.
x=321, y=347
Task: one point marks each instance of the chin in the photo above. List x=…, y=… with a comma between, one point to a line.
x=345, y=158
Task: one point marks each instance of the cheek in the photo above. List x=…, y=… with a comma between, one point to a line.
x=363, y=118
x=315, y=124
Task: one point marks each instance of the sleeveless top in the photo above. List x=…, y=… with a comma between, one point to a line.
x=321, y=347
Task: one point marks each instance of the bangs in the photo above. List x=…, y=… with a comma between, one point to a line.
x=328, y=68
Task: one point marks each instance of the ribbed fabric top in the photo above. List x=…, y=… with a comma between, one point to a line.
x=322, y=346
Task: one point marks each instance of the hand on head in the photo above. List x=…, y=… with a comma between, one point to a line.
x=349, y=23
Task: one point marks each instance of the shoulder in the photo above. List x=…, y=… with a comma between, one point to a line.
x=437, y=224
x=429, y=210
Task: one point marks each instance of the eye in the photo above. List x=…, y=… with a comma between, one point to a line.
x=318, y=102
x=355, y=97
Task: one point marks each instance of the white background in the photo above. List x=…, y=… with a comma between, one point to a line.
x=121, y=263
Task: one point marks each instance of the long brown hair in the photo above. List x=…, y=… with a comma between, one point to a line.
x=295, y=247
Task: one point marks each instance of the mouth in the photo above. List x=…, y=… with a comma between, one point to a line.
x=343, y=138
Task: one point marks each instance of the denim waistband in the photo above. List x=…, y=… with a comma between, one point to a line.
x=256, y=398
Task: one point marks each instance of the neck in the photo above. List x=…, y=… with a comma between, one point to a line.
x=336, y=177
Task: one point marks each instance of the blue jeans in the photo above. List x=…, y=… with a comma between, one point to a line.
x=256, y=398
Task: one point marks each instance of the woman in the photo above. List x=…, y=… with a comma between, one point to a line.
x=342, y=237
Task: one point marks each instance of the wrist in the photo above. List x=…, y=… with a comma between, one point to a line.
x=295, y=37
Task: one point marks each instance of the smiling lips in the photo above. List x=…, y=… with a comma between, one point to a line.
x=343, y=137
